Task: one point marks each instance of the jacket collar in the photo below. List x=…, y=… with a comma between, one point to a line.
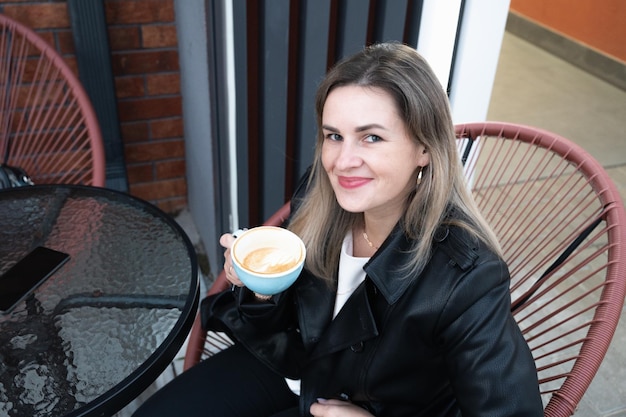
x=388, y=261
x=396, y=252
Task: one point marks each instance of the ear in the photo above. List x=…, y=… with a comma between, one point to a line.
x=423, y=158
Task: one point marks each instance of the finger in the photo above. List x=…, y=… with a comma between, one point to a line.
x=317, y=410
x=332, y=401
x=323, y=407
x=333, y=407
x=231, y=275
x=227, y=257
x=226, y=240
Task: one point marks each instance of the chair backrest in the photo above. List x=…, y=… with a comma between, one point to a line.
x=562, y=226
x=47, y=124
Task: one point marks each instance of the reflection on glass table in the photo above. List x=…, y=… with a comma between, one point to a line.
x=101, y=328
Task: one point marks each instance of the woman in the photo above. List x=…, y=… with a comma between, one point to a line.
x=403, y=308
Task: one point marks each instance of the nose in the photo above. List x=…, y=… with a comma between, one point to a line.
x=348, y=156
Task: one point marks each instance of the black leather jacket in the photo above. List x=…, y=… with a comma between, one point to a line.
x=439, y=344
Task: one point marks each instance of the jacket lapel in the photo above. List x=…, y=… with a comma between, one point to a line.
x=315, y=299
x=385, y=267
x=354, y=324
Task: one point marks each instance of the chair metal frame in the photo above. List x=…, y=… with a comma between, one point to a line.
x=562, y=226
x=48, y=126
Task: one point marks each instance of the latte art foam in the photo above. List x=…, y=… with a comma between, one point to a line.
x=269, y=261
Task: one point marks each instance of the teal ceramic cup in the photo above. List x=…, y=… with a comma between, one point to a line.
x=267, y=259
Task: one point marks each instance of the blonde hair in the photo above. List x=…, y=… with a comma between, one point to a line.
x=421, y=102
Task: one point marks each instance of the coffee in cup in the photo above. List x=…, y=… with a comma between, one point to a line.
x=268, y=259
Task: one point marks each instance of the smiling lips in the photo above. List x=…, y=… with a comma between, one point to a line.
x=352, y=182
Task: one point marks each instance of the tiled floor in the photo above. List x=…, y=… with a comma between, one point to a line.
x=535, y=88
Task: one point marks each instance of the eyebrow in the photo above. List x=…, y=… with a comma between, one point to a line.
x=358, y=129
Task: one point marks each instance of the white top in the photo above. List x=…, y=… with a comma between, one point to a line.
x=351, y=275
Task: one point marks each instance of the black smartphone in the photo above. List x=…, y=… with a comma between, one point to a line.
x=27, y=274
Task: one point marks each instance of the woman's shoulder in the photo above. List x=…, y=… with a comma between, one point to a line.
x=457, y=239
x=465, y=269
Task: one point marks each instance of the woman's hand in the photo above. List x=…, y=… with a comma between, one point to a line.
x=337, y=408
x=226, y=240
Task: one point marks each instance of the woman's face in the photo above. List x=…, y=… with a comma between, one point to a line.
x=369, y=157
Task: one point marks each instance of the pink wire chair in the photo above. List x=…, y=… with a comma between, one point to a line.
x=561, y=222
x=562, y=226
x=47, y=124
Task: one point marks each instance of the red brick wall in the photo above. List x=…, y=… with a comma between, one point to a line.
x=144, y=60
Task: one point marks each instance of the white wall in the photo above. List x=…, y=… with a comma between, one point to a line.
x=437, y=36
x=480, y=41
x=476, y=60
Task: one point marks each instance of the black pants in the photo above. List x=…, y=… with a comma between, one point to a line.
x=232, y=383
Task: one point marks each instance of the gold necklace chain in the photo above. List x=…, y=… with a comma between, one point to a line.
x=369, y=242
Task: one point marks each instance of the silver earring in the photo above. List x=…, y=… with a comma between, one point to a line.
x=419, y=177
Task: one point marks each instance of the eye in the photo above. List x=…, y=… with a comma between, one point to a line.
x=373, y=138
x=333, y=136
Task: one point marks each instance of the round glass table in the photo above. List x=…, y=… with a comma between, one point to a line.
x=102, y=327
